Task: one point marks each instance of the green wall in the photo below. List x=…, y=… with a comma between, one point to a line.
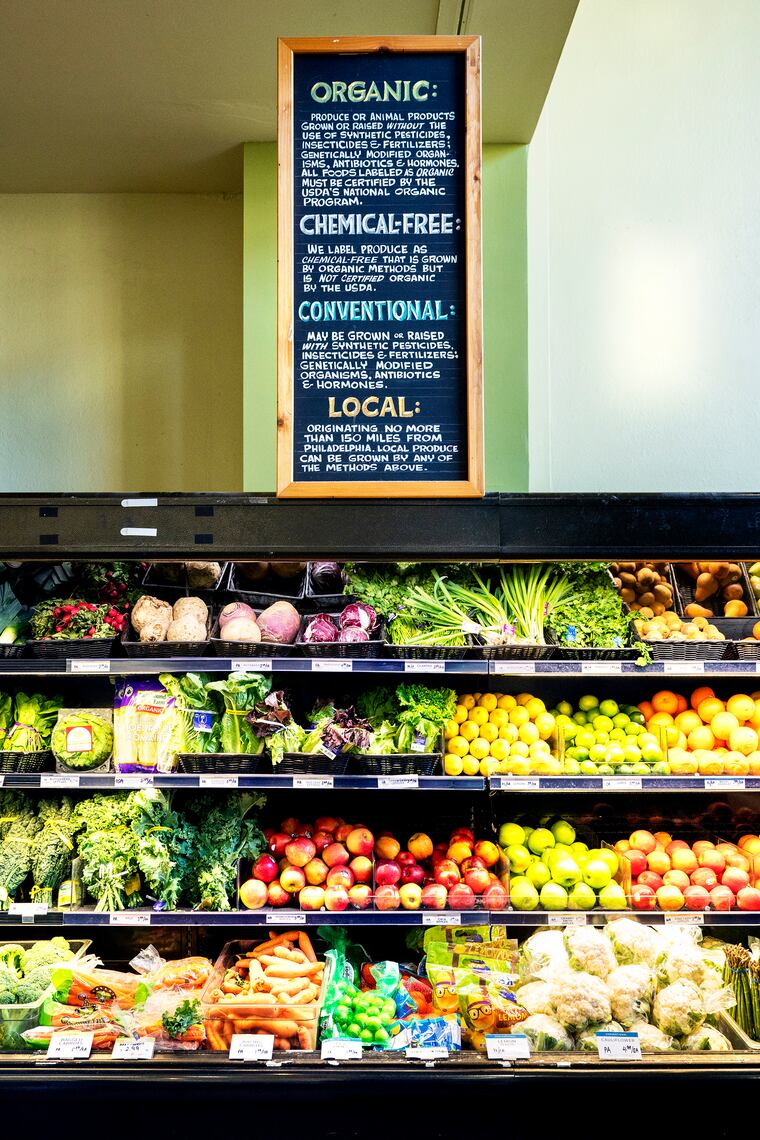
x=505, y=317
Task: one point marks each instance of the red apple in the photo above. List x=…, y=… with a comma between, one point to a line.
x=413, y=873
x=254, y=894
x=722, y=898
x=336, y=898
x=340, y=877
x=735, y=879
x=477, y=879
x=404, y=857
x=335, y=855
x=321, y=839
x=701, y=845
x=388, y=873
x=300, y=851
x=410, y=895
x=387, y=897
x=277, y=895
x=650, y=879
x=387, y=847
x=670, y=898
x=461, y=897
x=463, y=833
x=712, y=859
x=637, y=859
x=459, y=851
x=487, y=851
x=643, y=841
x=696, y=898
x=676, y=879
x=658, y=861
x=343, y=831
x=277, y=844
x=267, y=832
x=327, y=823
x=265, y=868
x=360, y=841
x=360, y=895
x=304, y=829
x=748, y=898
x=292, y=879
x=290, y=825
x=362, y=869
x=447, y=873
x=704, y=877
x=683, y=859
x=315, y=872
x=677, y=845
x=421, y=845
x=472, y=861
x=311, y=898
x=495, y=897
x=434, y=896
x=739, y=860
x=622, y=846
x=642, y=897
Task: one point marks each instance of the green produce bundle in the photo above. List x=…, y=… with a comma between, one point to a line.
x=83, y=739
x=29, y=725
x=742, y=972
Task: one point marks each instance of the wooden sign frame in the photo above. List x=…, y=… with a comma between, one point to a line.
x=473, y=485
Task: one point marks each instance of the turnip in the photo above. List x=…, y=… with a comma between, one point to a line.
x=280, y=623
x=241, y=629
x=235, y=610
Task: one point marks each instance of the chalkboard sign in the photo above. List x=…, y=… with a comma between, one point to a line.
x=379, y=288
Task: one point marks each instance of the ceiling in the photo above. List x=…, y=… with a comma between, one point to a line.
x=159, y=95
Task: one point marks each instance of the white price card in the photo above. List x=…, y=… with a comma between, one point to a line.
x=103, y=666
x=127, y=1049
x=286, y=918
x=601, y=668
x=508, y=668
x=133, y=781
x=684, y=668
x=139, y=502
x=696, y=918
x=251, y=665
x=618, y=1046
x=58, y=780
x=331, y=665
x=724, y=784
x=27, y=912
x=129, y=918
x=67, y=1046
x=313, y=781
x=398, y=781
x=424, y=666
x=621, y=783
x=427, y=1053
x=139, y=532
x=251, y=1046
x=507, y=1047
x=341, y=1049
x=567, y=918
x=217, y=781
x=442, y=918
x=520, y=783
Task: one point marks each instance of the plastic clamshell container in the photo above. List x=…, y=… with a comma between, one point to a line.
x=296, y=1024
x=14, y=1019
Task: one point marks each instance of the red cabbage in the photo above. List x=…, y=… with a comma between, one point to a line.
x=326, y=577
x=357, y=613
x=353, y=633
x=320, y=628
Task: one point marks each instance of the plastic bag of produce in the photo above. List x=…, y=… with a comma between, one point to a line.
x=579, y=999
x=683, y=961
x=588, y=949
x=543, y=951
x=630, y=989
x=487, y=1004
x=586, y=1042
x=634, y=943
x=176, y=974
x=545, y=1033
x=425, y=1032
x=77, y=984
x=536, y=998
x=708, y=1037
x=679, y=1009
x=144, y=726
x=82, y=740
x=174, y=1019
x=105, y=1022
x=652, y=1039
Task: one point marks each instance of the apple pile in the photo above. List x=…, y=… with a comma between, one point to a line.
x=668, y=874
x=458, y=874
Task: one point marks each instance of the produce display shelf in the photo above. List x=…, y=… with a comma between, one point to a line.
x=106, y=781
x=571, y=668
x=716, y=784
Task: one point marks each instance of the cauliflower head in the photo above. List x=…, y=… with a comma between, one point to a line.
x=630, y=989
x=684, y=961
x=544, y=950
x=586, y=1041
x=545, y=1033
x=579, y=999
x=679, y=1009
x=588, y=949
x=652, y=1039
x=634, y=943
x=708, y=1038
x=535, y=997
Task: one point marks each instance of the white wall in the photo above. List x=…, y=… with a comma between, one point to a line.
x=644, y=246
x=120, y=342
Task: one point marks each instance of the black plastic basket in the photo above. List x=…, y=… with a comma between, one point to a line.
x=266, y=593
x=427, y=652
x=595, y=653
x=224, y=648
x=14, y=650
x=690, y=650
x=139, y=648
x=26, y=761
x=75, y=647
x=485, y=652
x=306, y=764
x=736, y=629
x=685, y=589
x=401, y=764
x=169, y=591
x=317, y=602
x=375, y=647
x=220, y=763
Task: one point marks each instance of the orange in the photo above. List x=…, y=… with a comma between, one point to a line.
x=710, y=764
x=701, y=738
x=683, y=704
x=735, y=764
x=723, y=724
x=743, y=740
x=742, y=706
x=688, y=721
x=645, y=707
x=754, y=763
x=479, y=716
x=710, y=708
x=665, y=701
x=701, y=694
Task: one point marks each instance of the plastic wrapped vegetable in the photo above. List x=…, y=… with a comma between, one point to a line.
x=652, y=1039
x=634, y=943
x=579, y=999
x=589, y=950
x=586, y=1042
x=630, y=989
x=83, y=739
x=545, y=1033
x=536, y=997
x=542, y=951
x=683, y=961
x=679, y=1009
x=708, y=1037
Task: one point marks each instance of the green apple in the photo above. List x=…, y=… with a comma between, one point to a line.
x=612, y=897
x=522, y=894
x=511, y=834
x=608, y=856
x=581, y=897
x=539, y=840
x=596, y=874
x=566, y=871
x=538, y=874
x=579, y=850
x=553, y=897
x=519, y=858
x=563, y=832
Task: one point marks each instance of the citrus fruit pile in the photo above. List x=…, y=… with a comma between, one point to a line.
x=494, y=733
x=705, y=735
x=606, y=738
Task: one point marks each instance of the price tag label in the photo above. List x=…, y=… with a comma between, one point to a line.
x=251, y=665
x=696, y=918
x=341, y=1049
x=427, y=1053
x=251, y=1046
x=621, y=783
x=129, y=918
x=567, y=918
x=443, y=918
x=58, y=781
x=2, y=779
x=133, y=781
x=139, y=532
x=217, y=781
x=601, y=668
x=513, y=668
x=102, y=666
x=27, y=912
x=286, y=918
x=618, y=1046
x=331, y=665
x=724, y=784
x=313, y=782
x=425, y=666
x=398, y=781
x=684, y=668
x=67, y=1046
x=520, y=783
x=507, y=1047
x=125, y=1049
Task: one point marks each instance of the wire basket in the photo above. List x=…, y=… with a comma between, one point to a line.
x=153, y=584
x=428, y=652
x=224, y=648
x=401, y=764
x=271, y=589
x=26, y=761
x=139, y=648
x=318, y=602
x=306, y=764
x=736, y=630
x=220, y=763
x=74, y=647
x=486, y=652
x=685, y=589
x=375, y=647
x=690, y=650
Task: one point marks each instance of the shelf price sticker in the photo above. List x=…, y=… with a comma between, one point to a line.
x=331, y=665
x=618, y=1046
x=286, y=918
x=567, y=918
x=251, y=1046
x=622, y=783
x=507, y=668
x=425, y=666
x=444, y=918
x=398, y=781
x=683, y=668
x=341, y=1049
x=313, y=781
x=601, y=668
x=133, y=781
x=27, y=912
x=127, y=1049
x=696, y=918
x=58, y=780
x=724, y=784
x=217, y=781
x=516, y=783
x=129, y=918
x=89, y=666
x=67, y=1046
x=427, y=1053
x=507, y=1047
x=251, y=664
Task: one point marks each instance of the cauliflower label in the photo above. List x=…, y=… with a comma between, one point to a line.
x=618, y=1046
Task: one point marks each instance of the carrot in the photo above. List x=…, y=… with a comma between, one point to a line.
x=304, y=943
x=289, y=955
x=278, y=940
x=299, y=998
x=292, y=970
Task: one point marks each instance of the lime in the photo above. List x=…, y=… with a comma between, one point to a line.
x=598, y=753
x=606, y=770
x=618, y=734
x=584, y=739
x=367, y=1036
x=565, y=708
x=602, y=724
x=621, y=720
x=572, y=767
x=625, y=769
x=632, y=754
x=353, y=1030
x=588, y=767
x=609, y=707
x=580, y=718
x=588, y=702
x=615, y=755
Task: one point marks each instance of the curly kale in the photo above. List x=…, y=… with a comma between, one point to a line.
x=225, y=835
x=107, y=846
x=20, y=827
x=54, y=846
x=165, y=845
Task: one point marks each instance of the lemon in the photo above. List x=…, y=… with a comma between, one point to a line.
x=545, y=723
x=469, y=730
x=519, y=748
x=520, y=766
x=452, y=765
x=460, y=714
x=505, y=767
x=507, y=702
x=528, y=732
x=488, y=701
x=478, y=715
x=535, y=707
x=470, y=766
x=489, y=766
x=499, y=749
x=451, y=730
x=458, y=746
x=489, y=732
x=480, y=749
x=519, y=716
x=499, y=717
x=510, y=733
x=523, y=698
x=540, y=746
x=467, y=700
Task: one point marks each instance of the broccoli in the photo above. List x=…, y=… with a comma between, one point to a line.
x=7, y=997
x=9, y=982
x=40, y=976
x=47, y=954
x=28, y=992
x=12, y=956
